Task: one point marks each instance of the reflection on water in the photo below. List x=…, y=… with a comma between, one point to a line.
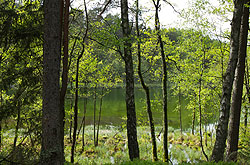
x=114, y=108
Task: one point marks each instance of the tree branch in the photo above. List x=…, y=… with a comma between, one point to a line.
x=104, y=9
x=172, y=7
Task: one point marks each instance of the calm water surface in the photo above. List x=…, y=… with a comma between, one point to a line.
x=114, y=108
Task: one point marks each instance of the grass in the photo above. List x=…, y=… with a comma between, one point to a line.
x=112, y=149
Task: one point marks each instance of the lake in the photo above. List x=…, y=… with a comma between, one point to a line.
x=114, y=108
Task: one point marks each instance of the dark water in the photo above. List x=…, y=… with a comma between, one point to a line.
x=114, y=108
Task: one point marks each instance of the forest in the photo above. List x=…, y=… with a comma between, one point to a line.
x=107, y=82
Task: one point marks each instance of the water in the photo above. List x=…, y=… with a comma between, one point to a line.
x=114, y=108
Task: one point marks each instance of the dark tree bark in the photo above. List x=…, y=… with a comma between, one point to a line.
x=164, y=82
x=94, y=113
x=193, y=118
x=247, y=95
x=180, y=109
x=17, y=125
x=1, y=103
x=76, y=107
x=99, y=118
x=130, y=99
x=234, y=123
x=200, y=112
x=77, y=83
x=222, y=128
x=0, y=134
x=84, y=109
x=71, y=115
x=145, y=87
x=52, y=124
x=84, y=122
x=65, y=60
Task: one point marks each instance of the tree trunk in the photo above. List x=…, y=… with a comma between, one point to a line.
x=233, y=134
x=52, y=124
x=71, y=116
x=94, y=112
x=76, y=93
x=65, y=61
x=247, y=97
x=1, y=103
x=130, y=100
x=193, y=120
x=180, y=109
x=84, y=122
x=164, y=82
x=84, y=107
x=146, y=88
x=247, y=94
x=245, y=119
x=17, y=125
x=222, y=128
x=0, y=134
x=200, y=112
x=99, y=118
x=76, y=107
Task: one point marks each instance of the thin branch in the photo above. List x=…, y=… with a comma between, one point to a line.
x=105, y=7
x=172, y=7
x=117, y=50
x=175, y=63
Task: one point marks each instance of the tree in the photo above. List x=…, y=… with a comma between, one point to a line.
x=164, y=81
x=130, y=100
x=52, y=124
x=222, y=129
x=145, y=87
x=65, y=59
x=77, y=83
x=234, y=123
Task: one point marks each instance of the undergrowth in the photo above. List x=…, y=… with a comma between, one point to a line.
x=112, y=149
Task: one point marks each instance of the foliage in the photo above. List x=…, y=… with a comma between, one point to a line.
x=195, y=53
x=20, y=55
x=244, y=145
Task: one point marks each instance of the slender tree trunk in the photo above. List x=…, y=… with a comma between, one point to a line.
x=247, y=82
x=99, y=118
x=194, y=118
x=222, y=128
x=76, y=107
x=76, y=92
x=130, y=99
x=180, y=109
x=164, y=82
x=0, y=134
x=70, y=128
x=146, y=88
x=83, y=118
x=52, y=124
x=1, y=103
x=205, y=133
x=201, y=141
x=80, y=128
x=233, y=134
x=245, y=119
x=65, y=63
x=84, y=122
x=65, y=54
x=247, y=96
x=71, y=116
x=94, y=113
x=17, y=125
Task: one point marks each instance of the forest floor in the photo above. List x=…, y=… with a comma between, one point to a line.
x=112, y=147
